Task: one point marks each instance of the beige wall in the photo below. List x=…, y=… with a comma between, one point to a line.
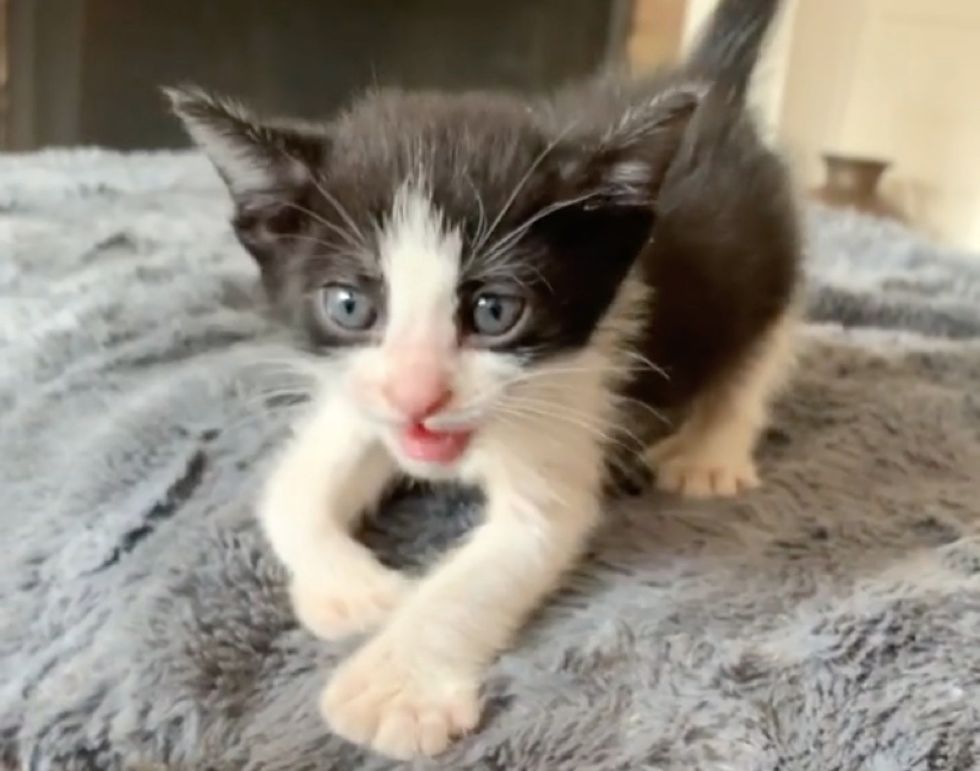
x=914, y=97
x=657, y=28
x=898, y=79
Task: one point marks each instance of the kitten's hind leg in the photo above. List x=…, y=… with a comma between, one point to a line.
x=711, y=454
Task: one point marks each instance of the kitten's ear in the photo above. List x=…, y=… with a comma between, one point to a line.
x=268, y=167
x=255, y=158
x=626, y=165
x=611, y=181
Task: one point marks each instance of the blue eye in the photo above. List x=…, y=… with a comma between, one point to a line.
x=347, y=308
x=494, y=314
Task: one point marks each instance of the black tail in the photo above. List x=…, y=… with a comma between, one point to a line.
x=728, y=47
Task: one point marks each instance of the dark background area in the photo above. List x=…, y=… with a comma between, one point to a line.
x=88, y=71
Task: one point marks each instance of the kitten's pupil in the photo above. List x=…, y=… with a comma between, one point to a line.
x=496, y=314
x=347, y=307
x=349, y=304
x=493, y=306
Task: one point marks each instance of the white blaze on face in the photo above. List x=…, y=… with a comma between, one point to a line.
x=420, y=257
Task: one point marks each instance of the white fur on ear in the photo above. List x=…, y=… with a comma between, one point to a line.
x=646, y=119
x=251, y=156
x=628, y=181
x=641, y=145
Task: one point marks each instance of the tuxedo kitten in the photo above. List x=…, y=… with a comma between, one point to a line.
x=513, y=293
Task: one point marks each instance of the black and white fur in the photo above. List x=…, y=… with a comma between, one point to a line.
x=652, y=241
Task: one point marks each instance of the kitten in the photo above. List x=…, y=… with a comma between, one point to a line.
x=508, y=293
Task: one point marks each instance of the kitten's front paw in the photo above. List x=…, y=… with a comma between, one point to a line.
x=702, y=470
x=398, y=704
x=349, y=605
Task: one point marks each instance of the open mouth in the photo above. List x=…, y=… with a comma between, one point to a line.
x=445, y=447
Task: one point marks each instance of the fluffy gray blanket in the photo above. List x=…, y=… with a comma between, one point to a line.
x=828, y=621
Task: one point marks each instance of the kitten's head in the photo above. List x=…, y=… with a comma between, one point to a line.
x=442, y=251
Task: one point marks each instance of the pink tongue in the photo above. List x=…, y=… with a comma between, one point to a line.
x=433, y=446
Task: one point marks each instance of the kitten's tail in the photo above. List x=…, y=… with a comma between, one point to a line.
x=728, y=47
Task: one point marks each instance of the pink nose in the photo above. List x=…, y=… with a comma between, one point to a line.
x=419, y=394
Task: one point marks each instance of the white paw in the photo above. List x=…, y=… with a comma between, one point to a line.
x=699, y=470
x=399, y=705
x=350, y=605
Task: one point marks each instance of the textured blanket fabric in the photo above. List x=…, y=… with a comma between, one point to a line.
x=830, y=620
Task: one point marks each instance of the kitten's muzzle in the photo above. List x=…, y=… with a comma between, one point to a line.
x=434, y=447
x=418, y=395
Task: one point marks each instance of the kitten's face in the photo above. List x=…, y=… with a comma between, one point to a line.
x=424, y=348
x=448, y=259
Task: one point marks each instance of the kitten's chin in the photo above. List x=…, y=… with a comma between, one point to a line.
x=429, y=472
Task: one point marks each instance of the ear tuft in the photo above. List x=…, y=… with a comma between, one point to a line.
x=252, y=156
x=627, y=165
x=269, y=167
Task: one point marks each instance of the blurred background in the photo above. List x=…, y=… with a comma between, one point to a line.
x=875, y=102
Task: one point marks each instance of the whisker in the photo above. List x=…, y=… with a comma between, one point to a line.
x=503, y=243
x=560, y=388
x=270, y=413
x=259, y=395
x=349, y=240
x=341, y=210
x=356, y=233
x=604, y=368
x=616, y=396
x=294, y=364
x=562, y=410
x=642, y=404
x=633, y=354
x=594, y=430
x=482, y=222
x=522, y=182
x=331, y=245
x=510, y=270
x=483, y=398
